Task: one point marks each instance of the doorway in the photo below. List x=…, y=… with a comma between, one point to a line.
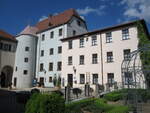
x=41, y=81
x=6, y=76
x=70, y=80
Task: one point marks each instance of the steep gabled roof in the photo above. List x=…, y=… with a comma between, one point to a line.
x=6, y=36
x=57, y=20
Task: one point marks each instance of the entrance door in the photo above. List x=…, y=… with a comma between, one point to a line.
x=70, y=80
x=41, y=81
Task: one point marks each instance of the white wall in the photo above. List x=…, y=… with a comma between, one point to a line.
x=117, y=46
x=25, y=81
x=53, y=43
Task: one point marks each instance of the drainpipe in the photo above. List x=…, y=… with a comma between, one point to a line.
x=101, y=48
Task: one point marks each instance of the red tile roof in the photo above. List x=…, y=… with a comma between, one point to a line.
x=57, y=20
x=6, y=36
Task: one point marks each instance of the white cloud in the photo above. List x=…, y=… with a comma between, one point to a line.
x=137, y=9
x=42, y=18
x=88, y=10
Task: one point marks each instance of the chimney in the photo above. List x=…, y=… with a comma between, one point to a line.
x=50, y=15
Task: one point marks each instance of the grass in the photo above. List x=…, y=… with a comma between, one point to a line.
x=94, y=105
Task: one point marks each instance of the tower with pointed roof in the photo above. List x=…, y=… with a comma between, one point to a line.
x=25, y=60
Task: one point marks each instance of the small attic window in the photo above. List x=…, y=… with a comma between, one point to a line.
x=49, y=24
x=79, y=23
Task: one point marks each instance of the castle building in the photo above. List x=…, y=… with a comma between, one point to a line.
x=96, y=57
x=39, y=50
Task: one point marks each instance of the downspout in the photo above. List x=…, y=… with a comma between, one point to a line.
x=101, y=48
x=39, y=54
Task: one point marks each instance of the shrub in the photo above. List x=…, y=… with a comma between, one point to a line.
x=113, y=96
x=45, y=103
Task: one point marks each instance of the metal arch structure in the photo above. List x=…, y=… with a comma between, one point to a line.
x=134, y=76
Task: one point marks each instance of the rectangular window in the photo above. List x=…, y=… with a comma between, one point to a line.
x=16, y=68
x=25, y=72
x=42, y=52
x=79, y=23
x=128, y=78
x=1, y=45
x=81, y=59
x=125, y=34
x=74, y=33
x=70, y=60
x=26, y=59
x=5, y=47
x=60, y=32
x=108, y=37
x=52, y=34
x=50, y=66
x=70, y=44
x=59, y=64
x=41, y=67
x=95, y=78
x=50, y=79
x=109, y=57
x=43, y=37
x=110, y=79
x=94, y=59
x=81, y=42
x=26, y=48
x=51, y=51
x=94, y=40
x=126, y=53
x=82, y=79
x=59, y=49
x=9, y=47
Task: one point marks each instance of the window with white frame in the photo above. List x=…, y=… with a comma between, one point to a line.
x=128, y=78
x=70, y=60
x=81, y=42
x=95, y=78
x=81, y=60
x=108, y=37
x=59, y=64
x=125, y=34
x=109, y=56
x=94, y=40
x=51, y=66
x=82, y=79
x=41, y=67
x=51, y=51
x=94, y=59
x=70, y=44
x=110, y=78
x=60, y=32
x=42, y=52
x=52, y=34
x=126, y=54
x=43, y=37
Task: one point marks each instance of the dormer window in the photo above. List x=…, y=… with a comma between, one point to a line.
x=79, y=23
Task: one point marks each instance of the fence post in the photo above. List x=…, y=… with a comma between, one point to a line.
x=67, y=93
x=87, y=90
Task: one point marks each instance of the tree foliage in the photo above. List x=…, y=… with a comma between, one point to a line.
x=144, y=55
x=45, y=103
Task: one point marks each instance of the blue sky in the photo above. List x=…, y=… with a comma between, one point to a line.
x=16, y=14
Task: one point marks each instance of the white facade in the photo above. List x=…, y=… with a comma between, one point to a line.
x=53, y=43
x=24, y=71
x=102, y=68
